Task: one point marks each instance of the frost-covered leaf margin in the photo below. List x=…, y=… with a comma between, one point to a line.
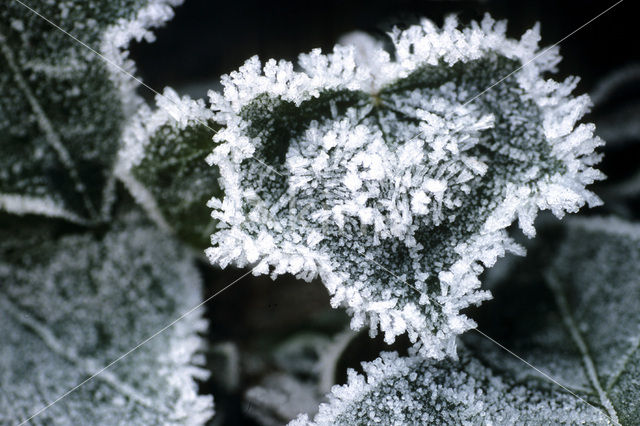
x=282, y=237
x=414, y=390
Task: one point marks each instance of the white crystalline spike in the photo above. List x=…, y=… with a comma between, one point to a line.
x=352, y=181
x=435, y=186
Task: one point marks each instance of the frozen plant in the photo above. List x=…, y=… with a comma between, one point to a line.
x=587, y=342
x=391, y=172
x=75, y=299
x=63, y=107
x=76, y=303
x=393, y=175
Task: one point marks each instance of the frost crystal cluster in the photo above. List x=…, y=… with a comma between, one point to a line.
x=415, y=390
x=72, y=305
x=392, y=175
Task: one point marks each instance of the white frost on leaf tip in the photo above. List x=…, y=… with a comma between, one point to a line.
x=116, y=40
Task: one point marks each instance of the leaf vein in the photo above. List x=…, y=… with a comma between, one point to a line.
x=87, y=366
x=45, y=124
x=576, y=336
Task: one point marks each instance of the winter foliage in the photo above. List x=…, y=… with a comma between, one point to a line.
x=393, y=175
x=306, y=366
x=63, y=107
x=390, y=171
x=162, y=163
x=586, y=339
x=582, y=326
x=71, y=305
x=416, y=390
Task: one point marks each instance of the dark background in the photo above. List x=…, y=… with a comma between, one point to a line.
x=209, y=38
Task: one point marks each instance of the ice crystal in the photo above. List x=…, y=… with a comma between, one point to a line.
x=393, y=175
x=585, y=335
x=583, y=326
x=415, y=390
x=62, y=107
x=162, y=163
x=71, y=305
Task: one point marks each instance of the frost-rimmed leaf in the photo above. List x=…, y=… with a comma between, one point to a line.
x=162, y=163
x=73, y=304
x=62, y=108
x=415, y=390
x=574, y=307
x=381, y=166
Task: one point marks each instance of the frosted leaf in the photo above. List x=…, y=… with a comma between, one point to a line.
x=583, y=326
x=162, y=163
x=73, y=304
x=306, y=366
x=62, y=108
x=415, y=390
x=359, y=171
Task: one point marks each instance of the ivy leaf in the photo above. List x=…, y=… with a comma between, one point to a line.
x=394, y=176
x=583, y=326
x=72, y=304
x=573, y=313
x=62, y=107
x=162, y=163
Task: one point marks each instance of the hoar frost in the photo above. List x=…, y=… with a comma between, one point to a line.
x=393, y=176
x=414, y=390
x=64, y=104
x=77, y=315
x=162, y=164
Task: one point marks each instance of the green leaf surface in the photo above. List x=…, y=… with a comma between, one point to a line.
x=162, y=163
x=72, y=304
x=574, y=311
x=62, y=107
